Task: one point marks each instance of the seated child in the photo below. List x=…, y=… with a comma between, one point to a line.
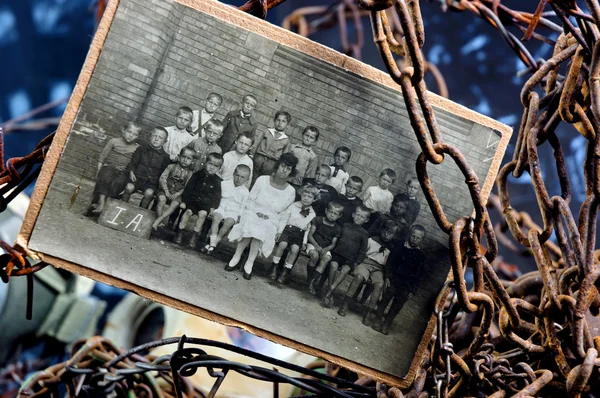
x=270, y=145
x=378, y=197
x=307, y=158
x=403, y=273
x=349, y=199
x=111, y=177
x=322, y=238
x=294, y=226
x=350, y=250
x=238, y=121
x=371, y=269
x=234, y=194
x=238, y=156
x=200, y=117
x=208, y=143
x=171, y=184
x=339, y=176
x=146, y=166
x=201, y=196
x=327, y=193
x=179, y=136
x=414, y=207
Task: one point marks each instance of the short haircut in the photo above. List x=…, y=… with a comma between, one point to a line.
x=214, y=156
x=418, y=227
x=243, y=167
x=401, y=197
x=283, y=113
x=357, y=180
x=335, y=206
x=135, y=124
x=388, y=172
x=344, y=149
x=325, y=166
x=162, y=130
x=289, y=160
x=217, y=125
x=185, y=109
x=411, y=179
x=246, y=134
x=216, y=96
x=187, y=148
x=311, y=189
x=364, y=209
x=250, y=96
x=313, y=129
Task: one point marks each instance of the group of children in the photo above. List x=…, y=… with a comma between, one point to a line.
x=316, y=210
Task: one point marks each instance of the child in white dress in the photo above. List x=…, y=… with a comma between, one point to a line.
x=378, y=197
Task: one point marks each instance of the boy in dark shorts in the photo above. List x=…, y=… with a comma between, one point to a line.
x=322, y=238
x=294, y=227
x=327, y=193
x=378, y=250
x=147, y=164
x=403, y=272
x=350, y=250
x=201, y=196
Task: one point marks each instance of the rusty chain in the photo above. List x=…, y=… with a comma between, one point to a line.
x=527, y=337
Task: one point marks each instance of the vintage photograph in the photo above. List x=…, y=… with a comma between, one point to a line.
x=223, y=169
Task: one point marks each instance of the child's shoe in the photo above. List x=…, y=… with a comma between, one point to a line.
x=344, y=308
x=178, y=237
x=311, y=283
x=283, y=276
x=193, y=240
x=386, y=326
x=366, y=320
x=377, y=324
x=273, y=274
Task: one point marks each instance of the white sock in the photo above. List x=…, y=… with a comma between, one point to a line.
x=213, y=240
x=276, y=260
x=288, y=265
x=248, y=267
x=234, y=261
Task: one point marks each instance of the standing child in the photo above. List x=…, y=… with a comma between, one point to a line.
x=327, y=193
x=179, y=136
x=294, y=229
x=339, y=176
x=349, y=199
x=232, y=159
x=234, y=194
x=171, y=184
x=350, y=250
x=404, y=271
x=269, y=145
x=378, y=197
x=414, y=207
x=208, y=143
x=371, y=269
x=202, y=116
x=307, y=158
x=111, y=177
x=201, y=196
x=238, y=121
x=146, y=166
x=322, y=238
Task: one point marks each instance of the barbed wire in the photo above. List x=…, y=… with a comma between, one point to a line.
x=530, y=336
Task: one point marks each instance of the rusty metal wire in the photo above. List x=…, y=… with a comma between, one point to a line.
x=536, y=335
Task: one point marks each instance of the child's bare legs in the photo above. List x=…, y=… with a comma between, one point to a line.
x=197, y=228
x=165, y=214
x=318, y=272
x=375, y=294
x=255, y=246
x=333, y=269
x=161, y=202
x=313, y=256
x=339, y=278
x=129, y=189
x=147, y=199
x=290, y=260
x=101, y=203
x=185, y=217
x=281, y=246
x=352, y=289
x=216, y=234
x=239, y=250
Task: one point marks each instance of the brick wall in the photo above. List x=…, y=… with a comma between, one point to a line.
x=161, y=57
